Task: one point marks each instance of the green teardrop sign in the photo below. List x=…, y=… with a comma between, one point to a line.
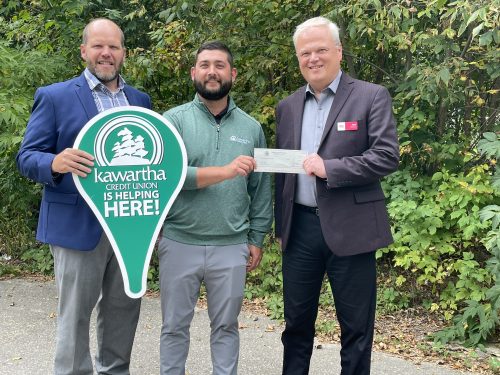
x=139, y=168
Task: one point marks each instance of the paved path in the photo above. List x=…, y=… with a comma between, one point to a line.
x=27, y=331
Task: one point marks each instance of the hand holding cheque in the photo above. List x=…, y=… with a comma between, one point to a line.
x=279, y=160
x=288, y=161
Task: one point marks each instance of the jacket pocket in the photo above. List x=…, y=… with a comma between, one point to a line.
x=365, y=196
x=64, y=198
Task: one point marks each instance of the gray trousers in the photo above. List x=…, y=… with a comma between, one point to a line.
x=88, y=279
x=182, y=270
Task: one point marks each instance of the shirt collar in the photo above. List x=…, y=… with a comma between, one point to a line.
x=230, y=104
x=333, y=86
x=94, y=82
x=220, y=115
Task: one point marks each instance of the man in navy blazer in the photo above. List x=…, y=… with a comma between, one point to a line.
x=333, y=218
x=86, y=269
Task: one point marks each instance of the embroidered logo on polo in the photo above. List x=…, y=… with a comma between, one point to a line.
x=140, y=166
x=244, y=141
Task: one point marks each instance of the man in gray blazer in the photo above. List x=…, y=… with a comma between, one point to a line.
x=333, y=218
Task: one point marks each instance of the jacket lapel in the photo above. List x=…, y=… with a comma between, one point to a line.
x=343, y=92
x=85, y=95
x=132, y=99
x=297, y=113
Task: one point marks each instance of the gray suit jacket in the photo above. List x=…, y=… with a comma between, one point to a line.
x=359, y=146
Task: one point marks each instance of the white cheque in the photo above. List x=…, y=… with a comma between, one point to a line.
x=279, y=160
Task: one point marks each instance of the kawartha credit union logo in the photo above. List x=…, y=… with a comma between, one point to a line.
x=128, y=140
x=140, y=167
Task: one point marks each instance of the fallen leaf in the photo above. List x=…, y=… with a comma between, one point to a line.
x=270, y=328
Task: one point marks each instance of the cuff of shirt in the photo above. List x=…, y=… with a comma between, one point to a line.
x=256, y=238
x=191, y=181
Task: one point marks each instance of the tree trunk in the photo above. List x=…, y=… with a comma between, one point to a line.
x=441, y=120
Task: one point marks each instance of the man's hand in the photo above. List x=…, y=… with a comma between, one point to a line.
x=255, y=257
x=241, y=166
x=72, y=160
x=314, y=166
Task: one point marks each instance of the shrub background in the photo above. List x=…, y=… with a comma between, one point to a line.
x=440, y=60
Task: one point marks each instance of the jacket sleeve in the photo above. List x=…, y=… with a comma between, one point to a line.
x=382, y=155
x=38, y=149
x=260, y=213
x=147, y=103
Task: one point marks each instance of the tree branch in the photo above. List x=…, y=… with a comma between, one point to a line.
x=467, y=45
x=371, y=64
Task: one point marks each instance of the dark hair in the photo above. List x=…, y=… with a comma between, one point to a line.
x=215, y=45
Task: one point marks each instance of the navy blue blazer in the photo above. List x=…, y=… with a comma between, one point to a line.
x=351, y=204
x=59, y=112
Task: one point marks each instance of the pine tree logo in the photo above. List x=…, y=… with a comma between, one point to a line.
x=129, y=151
x=128, y=140
x=140, y=168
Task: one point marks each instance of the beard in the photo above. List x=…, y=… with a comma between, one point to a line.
x=102, y=76
x=216, y=94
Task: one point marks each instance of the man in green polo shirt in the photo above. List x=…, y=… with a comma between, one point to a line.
x=216, y=227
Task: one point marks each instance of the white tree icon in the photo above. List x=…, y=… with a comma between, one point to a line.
x=129, y=151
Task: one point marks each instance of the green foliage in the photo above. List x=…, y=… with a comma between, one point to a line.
x=326, y=325
x=17, y=230
x=276, y=307
x=163, y=68
x=7, y=269
x=438, y=232
x=266, y=281
x=479, y=319
x=390, y=299
x=39, y=260
x=325, y=297
x=154, y=273
x=439, y=59
x=494, y=365
x=490, y=147
x=20, y=72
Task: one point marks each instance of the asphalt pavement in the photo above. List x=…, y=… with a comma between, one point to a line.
x=27, y=339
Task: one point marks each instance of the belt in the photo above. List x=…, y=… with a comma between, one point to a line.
x=312, y=210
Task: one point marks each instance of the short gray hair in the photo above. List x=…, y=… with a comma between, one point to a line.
x=317, y=22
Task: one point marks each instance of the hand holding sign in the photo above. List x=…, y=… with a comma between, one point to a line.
x=139, y=168
x=72, y=160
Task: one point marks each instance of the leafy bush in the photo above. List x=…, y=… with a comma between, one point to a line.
x=39, y=260
x=480, y=319
x=21, y=71
x=438, y=233
x=266, y=281
x=440, y=60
